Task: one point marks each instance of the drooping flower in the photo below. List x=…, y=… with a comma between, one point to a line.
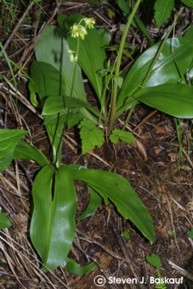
x=89, y=22
x=73, y=56
x=82, y=31
x=75, y=30
x=78, y=30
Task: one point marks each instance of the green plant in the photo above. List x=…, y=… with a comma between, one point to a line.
x=154, y=261
x=4, y=221
x=158, y=78
x=52, y=226
x=57, y=90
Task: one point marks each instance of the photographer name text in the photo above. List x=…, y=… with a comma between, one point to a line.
x=151, y=280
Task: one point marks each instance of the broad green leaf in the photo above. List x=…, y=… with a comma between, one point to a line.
x=163, y=10
x=46, y=80
x=154, y=260
x=91, y=135
x=173, y=62
x=52, y=48
x=91, y=57
x=173, y=99
x=75, y=268
x=94, y=202
x=54, y=105
x=63, y=218
x=121, y=135
x=53, y=220
x=118, y=190
x=9, y=138
x=188, y=3
x=4, y=221
x=26, y=151
x=41, y=222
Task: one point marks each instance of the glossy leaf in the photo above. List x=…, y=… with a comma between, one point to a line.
x=46, y=80
x=91, y=57
x=26, y=151
x=118, y=190
x=52, y=48
x=173, y=62
x=94, y=202
x=4, y=221
x=53, y=220
x=9, y=138
x=54, y=105
x=173, y=99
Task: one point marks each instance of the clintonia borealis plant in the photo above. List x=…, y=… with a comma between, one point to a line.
x=57, y=90
x=157, y=78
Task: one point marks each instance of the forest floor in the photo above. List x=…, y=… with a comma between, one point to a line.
x=159, y=165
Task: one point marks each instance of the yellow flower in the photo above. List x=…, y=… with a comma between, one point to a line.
x=73, y=56
x=75, y=31
x=89, y=22
x=82, y=32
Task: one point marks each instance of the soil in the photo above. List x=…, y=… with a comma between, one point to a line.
x=159, y=165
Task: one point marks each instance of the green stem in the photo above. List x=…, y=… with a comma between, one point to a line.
x=118, y=63
x=58, y=150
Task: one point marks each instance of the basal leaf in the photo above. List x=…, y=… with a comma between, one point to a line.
x=9, y=138
x=54, y=105
x=63, y=219
x=53, y=220
x=173, y=99
x=94, y=202
x=118, y=190
x=163, y=11
x=41, y=222
x=26, y=151
x=173, y=62
x=91, y=135
x=52, y=48
x=4, y=221
x=46, y=80
x=121, y=135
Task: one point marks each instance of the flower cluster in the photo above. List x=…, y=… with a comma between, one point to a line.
x=79, y=30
